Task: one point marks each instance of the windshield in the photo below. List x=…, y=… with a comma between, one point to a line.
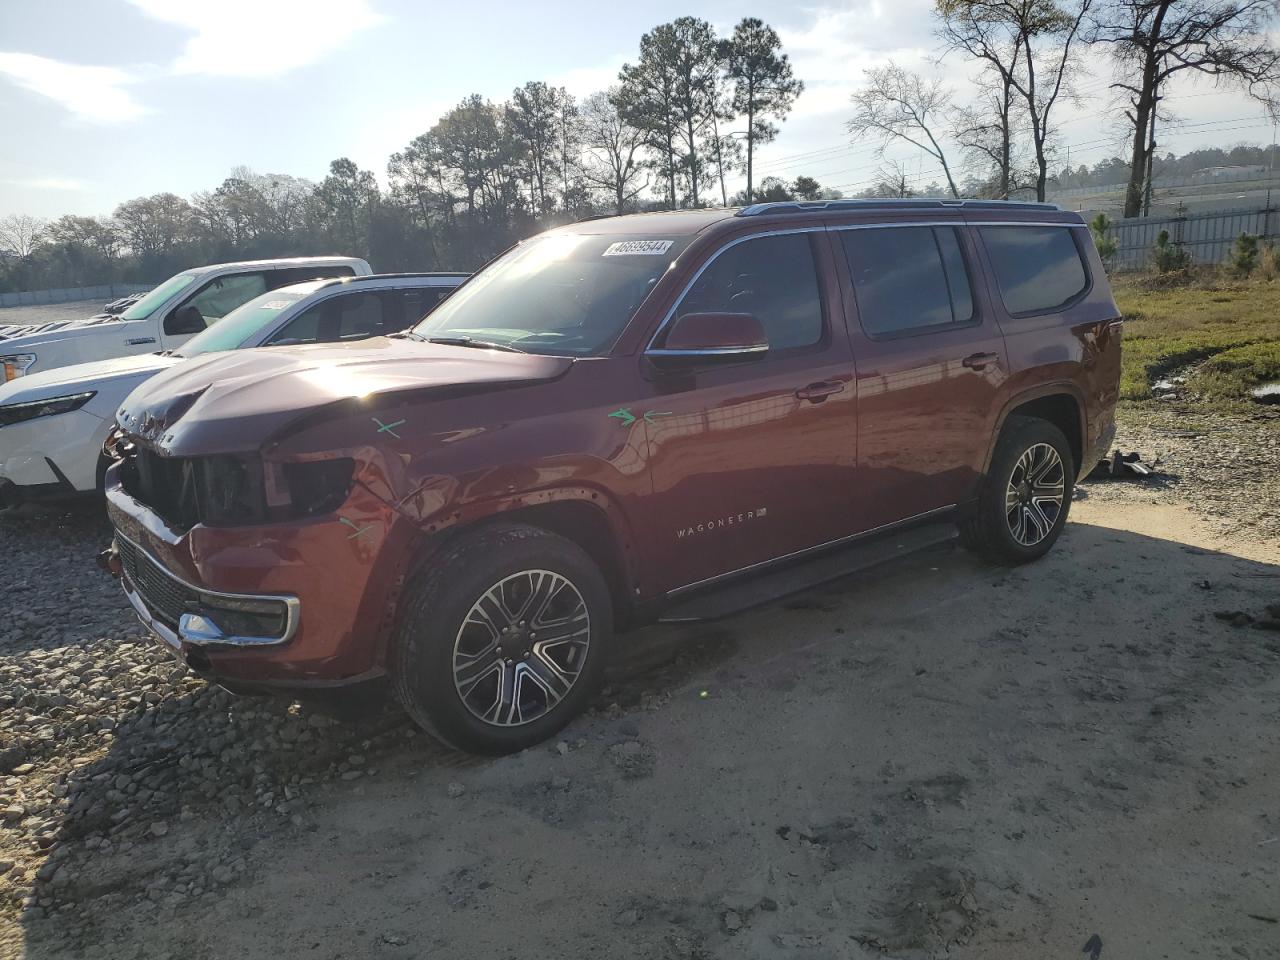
x=144, y=307
x=560, y=293
x=243, y=322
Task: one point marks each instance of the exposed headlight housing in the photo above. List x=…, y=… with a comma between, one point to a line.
x=20, y=412
x=16, y=365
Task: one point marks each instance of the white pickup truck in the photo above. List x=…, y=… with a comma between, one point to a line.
x=168, y=316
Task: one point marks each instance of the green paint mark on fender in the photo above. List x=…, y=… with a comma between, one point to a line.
x=628, y=418
x=358, y=529
x=387, y=427
x=625, y=415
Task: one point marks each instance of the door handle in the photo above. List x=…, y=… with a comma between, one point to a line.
x=976, y=361
x=817, y=392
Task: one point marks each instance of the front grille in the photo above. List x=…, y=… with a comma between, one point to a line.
x=184, y=491
x=165, y=596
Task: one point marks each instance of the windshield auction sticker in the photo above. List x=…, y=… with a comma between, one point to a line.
x=637, y=248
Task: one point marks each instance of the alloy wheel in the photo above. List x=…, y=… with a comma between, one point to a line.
x=521, y=648
x=1033, y=499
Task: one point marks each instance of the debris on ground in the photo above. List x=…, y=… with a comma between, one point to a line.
x=1120, y=465
x=1239, y=618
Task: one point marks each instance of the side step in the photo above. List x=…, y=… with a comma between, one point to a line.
x=749, y=590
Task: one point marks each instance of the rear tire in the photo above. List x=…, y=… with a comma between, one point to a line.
x=1026, y=495
x=502, y=639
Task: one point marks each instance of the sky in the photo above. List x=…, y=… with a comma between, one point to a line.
x=105, y=100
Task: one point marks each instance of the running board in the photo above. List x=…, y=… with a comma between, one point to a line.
x=755, y=590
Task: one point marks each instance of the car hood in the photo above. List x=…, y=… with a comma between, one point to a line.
x=236, y=401
x=15, y=338
x=82, y=377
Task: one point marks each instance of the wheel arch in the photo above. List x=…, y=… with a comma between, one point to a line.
x=1058, y=403
x=586, y=517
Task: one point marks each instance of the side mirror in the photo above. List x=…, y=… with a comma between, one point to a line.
x=712, y=337
x=184, y=320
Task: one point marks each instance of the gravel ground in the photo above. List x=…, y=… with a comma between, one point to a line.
x=47, y=313
x=939, y=759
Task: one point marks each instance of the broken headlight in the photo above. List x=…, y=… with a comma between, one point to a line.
x=309, y=487
x=19, y=412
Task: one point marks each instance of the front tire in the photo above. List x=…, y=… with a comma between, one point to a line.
x=1025, y=496
x=502, y=639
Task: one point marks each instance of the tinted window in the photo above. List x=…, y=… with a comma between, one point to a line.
x=773, y=278
x=286, y=276
x=908, y=278
x=419, y=301
x=352, y=316
x=1038, y=269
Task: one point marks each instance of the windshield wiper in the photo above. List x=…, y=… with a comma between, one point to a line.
x=473, y=342
x=407, y=335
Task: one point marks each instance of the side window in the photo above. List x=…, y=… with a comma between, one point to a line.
x=360, y=316
x=774, y=278
x=419, y=301
x=352, y=316
x=1038, y=269
x=907, y=278
x=219, y=297
x=284, y=277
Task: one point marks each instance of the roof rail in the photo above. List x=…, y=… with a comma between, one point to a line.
x=403, y=276
x=807, y=206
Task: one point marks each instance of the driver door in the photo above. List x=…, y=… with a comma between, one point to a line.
x=754, y=460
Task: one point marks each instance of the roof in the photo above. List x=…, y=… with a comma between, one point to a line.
x=690, y=222
x=376, y=281
x=276, y=263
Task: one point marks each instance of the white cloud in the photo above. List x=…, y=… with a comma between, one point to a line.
x=253, y=38
x=584, y=81
x=95, y=94
x=50, y=183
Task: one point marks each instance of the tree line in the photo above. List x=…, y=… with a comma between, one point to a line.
x=1031, y=58
x=686, y=115
x=688, y=112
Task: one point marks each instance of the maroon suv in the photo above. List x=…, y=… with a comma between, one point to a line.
x=615, y=422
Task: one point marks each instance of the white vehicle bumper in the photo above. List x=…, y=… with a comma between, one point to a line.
x=52, y=456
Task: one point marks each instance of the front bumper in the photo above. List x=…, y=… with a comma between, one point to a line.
x=181, y=613
x=54, y=452
x=336, y=590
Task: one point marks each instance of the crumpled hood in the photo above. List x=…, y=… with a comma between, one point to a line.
x=81, y=377
x=236, y=401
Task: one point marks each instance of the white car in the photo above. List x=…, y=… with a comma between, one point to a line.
x=164, y=319
x=53, y=425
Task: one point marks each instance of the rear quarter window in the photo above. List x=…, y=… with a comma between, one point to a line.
x=1038, y=269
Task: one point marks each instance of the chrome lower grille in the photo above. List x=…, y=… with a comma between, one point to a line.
x=166, y=597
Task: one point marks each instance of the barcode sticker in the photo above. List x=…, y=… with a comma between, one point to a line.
x=637, y=248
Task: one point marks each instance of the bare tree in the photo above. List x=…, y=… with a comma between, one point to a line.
x=1152, y=40
x=985, y=131
x=611, y=145
x=1032, y=48
x=898, y=105
x=20, y=233
x=891, y=181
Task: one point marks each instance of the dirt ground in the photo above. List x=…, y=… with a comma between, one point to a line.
x=937, y=759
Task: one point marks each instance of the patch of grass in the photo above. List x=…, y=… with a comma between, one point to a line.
x=1232, y=325
x=1231, y=374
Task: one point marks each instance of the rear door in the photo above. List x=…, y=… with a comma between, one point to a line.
x=753, y=460
x=930, y=362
